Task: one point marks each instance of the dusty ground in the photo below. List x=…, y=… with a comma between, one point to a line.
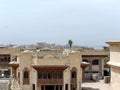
x=91, y=85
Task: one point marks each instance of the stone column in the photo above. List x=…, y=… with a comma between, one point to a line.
x=79, y=79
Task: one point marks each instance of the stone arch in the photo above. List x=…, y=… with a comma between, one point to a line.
x=74, y=78
x=26, y=75
x=74, y=73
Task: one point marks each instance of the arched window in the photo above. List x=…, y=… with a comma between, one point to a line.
x=26, y=74
x=74, y=74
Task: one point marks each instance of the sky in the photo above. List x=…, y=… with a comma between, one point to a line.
x=85, y=22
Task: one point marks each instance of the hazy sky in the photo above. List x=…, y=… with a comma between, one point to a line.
x=86, y=22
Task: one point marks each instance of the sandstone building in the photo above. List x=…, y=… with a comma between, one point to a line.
x=115, y=64
x=51, y=69
x=48, y=70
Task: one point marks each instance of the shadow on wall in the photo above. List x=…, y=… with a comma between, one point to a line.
x=89, y=88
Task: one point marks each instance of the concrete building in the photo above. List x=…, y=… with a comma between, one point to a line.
x=115, y=64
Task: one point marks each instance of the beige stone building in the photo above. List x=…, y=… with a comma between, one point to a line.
x=7, y=55
x=96, y=63
x=51, y=70
x=115, y=64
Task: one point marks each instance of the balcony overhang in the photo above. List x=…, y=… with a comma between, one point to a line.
x=94, y=56
x=14, y=64
x=49, y=67
x=84, y=65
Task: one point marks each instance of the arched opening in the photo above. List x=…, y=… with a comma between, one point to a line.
x=26, y=74
x=73, y=74
x=73, y=78
x=26, y=77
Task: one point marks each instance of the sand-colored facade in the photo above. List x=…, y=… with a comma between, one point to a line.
x=38, y=70
x=96, y=63
x=115, y=64
x=51, y=69
x=7, y=55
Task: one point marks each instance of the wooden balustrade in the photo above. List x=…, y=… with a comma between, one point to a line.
x=50, y=82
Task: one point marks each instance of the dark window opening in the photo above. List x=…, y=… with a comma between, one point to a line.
x=33, y=86
x=73, y=74
x=26, y=74
x=42, y=88
x=85, y=60
x=66, y=86
x=39, y=75
x=8, y=59
x=56, y=87
x=60, y=75
x=95, y=62
x=49, y=75
x=44, y=75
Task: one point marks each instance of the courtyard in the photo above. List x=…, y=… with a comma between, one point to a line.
x=91, y=85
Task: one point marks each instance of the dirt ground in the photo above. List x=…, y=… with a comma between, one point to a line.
x=91, y=85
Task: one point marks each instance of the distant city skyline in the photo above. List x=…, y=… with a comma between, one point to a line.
x=85, y=22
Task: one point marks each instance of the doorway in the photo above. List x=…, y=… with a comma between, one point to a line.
x=49, y=87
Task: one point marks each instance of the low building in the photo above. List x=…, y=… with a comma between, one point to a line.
x=96, y=63
x=6, y=56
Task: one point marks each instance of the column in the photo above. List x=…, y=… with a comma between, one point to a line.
x=79, y=79
x=39, y=87
x=54, y=87
x=43, y=87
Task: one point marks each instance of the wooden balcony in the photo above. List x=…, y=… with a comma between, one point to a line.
x=73, y=80
x=50, y=81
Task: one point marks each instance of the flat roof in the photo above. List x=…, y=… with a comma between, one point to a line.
x=113, y=42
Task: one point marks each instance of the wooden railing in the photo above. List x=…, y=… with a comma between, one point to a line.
x=73, y=80
x=50, y=81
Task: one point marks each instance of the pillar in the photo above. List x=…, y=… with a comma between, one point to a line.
x=54, y=87
x=90, y=67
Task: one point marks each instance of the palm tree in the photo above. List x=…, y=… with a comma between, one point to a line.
x=70, y=42
x=106, y=59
